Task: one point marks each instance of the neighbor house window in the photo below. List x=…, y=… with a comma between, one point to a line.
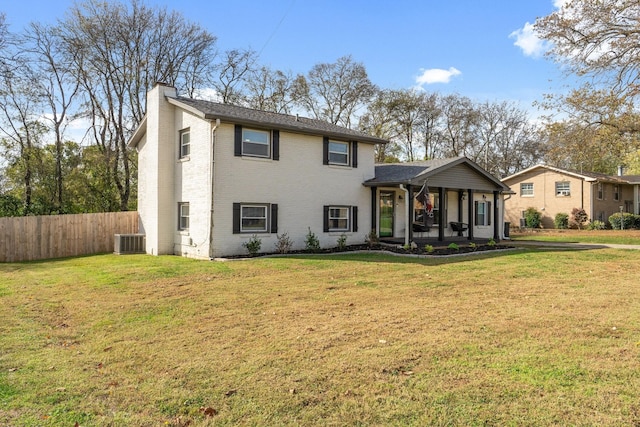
x=338, y=153
x=255, y=218
x=183, y=216
x=185, y=143
x=526, y=189
x=600, y=191
x=563, y=188
x=483, y=213
x=340, y=218
x=616, y=192
x=255, y=143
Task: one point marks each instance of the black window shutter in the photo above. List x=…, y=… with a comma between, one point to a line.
x=325, y=151
x=488, y=213
x=236, y=218
x=326, y=219
x=354, y=154
x=274, y=217
x=237, y=146
x=354, y=218
x=475, y=212
x=275, y=149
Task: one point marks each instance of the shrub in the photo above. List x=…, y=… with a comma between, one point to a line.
x=532, y=218
x=561, y=221
x=311, y=242
x=492, y=242
x=284, y=243
x=473, y=246
x=342, y=242
x=428, y=248
x=253, y=245
x=578, y=218
x=596, y=225
x=454, y=246
x=628, y=221
x=372, y=238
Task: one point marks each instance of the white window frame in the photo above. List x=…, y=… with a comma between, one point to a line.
x=183, y=216
x=185, y=146
x=333, y=153
x=563, y=188
x=344, y=214
x=244, y=217
x=527, y=192
x=484, y=207
x=247, y=142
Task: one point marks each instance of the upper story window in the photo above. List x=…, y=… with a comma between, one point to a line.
x=185, y=143
x=255, y=143
x=183, y=216
x=600, y=191
x=261, y=143
x=616, y=192
x=340, y=153
x=563, y=188
x=526, y=189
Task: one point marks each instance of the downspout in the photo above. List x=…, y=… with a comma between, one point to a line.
x=212, y=181
x=407, y=228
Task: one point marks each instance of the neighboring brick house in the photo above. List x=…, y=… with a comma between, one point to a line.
x=211, y=176
x=551, y=190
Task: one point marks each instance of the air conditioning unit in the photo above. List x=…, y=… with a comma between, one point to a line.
x=565, y=193
x=129, y=244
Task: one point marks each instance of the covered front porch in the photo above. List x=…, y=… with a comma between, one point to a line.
x=437, y=201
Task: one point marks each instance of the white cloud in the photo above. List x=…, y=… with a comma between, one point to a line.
x=528, y=41
x=436, y=75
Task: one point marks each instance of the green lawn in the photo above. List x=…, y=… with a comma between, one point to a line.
x=521, y=337
x=621, y=237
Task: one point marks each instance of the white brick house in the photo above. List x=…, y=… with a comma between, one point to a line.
x=210, y=176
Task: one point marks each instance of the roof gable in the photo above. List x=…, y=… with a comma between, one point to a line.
x=417, y=173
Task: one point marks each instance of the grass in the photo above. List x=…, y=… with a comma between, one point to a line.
x=621, y=237
x=524, y=337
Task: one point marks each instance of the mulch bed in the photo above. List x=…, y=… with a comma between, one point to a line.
x=437, y=251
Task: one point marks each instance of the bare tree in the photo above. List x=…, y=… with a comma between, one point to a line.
x=117, y=53
x=269, y=90
x=57, y=87
x=460, y=121
x=335, y=92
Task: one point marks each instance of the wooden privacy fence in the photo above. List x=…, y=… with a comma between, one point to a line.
x=55, y=236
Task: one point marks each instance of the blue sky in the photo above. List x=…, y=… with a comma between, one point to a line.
x=479, y=49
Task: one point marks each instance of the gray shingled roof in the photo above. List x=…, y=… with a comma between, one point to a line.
x=416, y=173
x=247, y=116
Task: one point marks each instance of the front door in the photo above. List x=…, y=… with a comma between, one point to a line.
x=387, y=203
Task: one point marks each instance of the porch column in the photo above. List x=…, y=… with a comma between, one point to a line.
x=471, y=215
x=441, y=224
x=460, y=207
x=409, y=202
x=496, y=210
x=374, y=210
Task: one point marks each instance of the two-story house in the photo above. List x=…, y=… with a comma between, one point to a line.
x=211, y=176
x=552, y=190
